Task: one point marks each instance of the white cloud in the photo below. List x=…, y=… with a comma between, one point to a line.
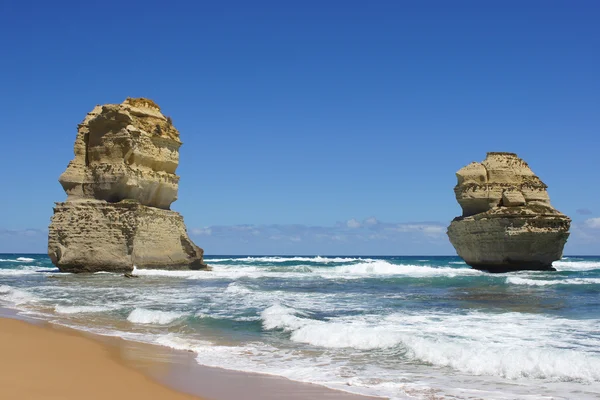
x=353, y=224
x=426, y=229
x=593, y=223
x=351, y=231
x=371, y=221
x=201, y=231
x=348, y=237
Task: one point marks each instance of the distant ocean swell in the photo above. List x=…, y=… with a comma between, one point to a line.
x=392, y=326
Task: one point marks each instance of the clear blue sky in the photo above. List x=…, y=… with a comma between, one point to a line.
x=309, y=113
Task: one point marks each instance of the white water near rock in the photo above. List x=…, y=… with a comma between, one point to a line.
x=359, y=270
x=576, y=265
x=380, y=267
x=515, y=280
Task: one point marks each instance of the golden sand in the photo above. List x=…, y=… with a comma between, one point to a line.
x=45, y=362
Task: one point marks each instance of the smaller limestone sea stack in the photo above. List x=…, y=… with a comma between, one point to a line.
x=120, y=187
x=508, y=223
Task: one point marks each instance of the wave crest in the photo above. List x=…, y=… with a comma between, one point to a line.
x=155, y=317
x=16, y=296
x=515, y=280
x=459, y=342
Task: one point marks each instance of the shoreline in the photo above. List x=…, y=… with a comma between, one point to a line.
x=42, y=359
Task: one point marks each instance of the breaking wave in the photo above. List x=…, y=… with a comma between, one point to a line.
x=274, y=259
x=576, y=265
x=156, y=317
x=515, y=280
x=464, y=343
x=380, y=267
x=27, y=270
x=18, y=259
x=365, y=268
x=16, y=296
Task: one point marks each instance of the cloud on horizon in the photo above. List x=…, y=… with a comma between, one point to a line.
x=367, y=237
x=351, y=237
x=354, y=237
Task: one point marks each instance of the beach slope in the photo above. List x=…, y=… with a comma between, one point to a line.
x=42, y=362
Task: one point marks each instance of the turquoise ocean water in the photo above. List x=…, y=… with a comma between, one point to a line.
x=399, y=327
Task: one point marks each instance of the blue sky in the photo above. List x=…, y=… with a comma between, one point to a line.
x=302, y=121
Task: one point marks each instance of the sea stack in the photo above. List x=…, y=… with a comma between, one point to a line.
x=120, y=187
x=507, y=223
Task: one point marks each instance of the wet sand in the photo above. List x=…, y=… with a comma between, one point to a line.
x=46, y=361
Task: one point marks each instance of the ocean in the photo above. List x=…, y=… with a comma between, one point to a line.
x=400, y=327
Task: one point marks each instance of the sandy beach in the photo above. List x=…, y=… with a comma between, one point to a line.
x=44, y=362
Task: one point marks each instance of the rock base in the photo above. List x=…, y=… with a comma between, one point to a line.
x=94, y=235
x=513, y=266
x=511, y=239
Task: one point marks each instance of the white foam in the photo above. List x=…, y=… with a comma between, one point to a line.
x=515, y=280
x=237, y=288
x=16, y=296
x=16, y=272
x=317, y=259
x=156, y=317
x=462, y=342
x=220, y=272
x=25, y=259
x=178, y=343
x=274, y=259
x=327, y=334
x=381, y=267
x=278, y=316
x=349, y=271
x=82, y=309
x=478, y=358
x=576, y=265
x=27, y=270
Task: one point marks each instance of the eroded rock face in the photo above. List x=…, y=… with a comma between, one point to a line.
x=125, y=151
x=508, y=223
x=120, y=186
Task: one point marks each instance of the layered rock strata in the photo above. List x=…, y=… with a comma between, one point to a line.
x=120, y=187
x=508, y=223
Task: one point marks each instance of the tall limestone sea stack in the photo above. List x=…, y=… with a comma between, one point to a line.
x=120, y=187
x=508, y=223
